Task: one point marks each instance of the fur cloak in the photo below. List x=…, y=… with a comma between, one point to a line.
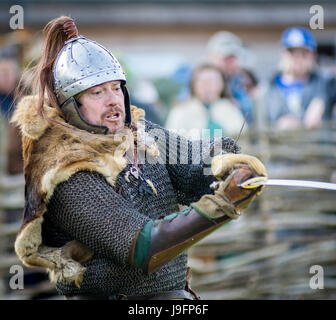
x=52, y=153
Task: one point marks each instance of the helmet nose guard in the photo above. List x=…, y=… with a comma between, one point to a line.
x=80, y=65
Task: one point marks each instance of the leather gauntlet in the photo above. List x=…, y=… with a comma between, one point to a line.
x=161, y=241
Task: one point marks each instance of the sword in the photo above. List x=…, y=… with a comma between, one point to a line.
x=255, y=183
x=262, y=181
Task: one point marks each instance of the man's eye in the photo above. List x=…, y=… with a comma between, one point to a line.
x=97, y=92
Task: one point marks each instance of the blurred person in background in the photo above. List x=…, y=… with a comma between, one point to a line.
x=297, y=94
x=330, y=113
x=225, y=51
x=208, y=107
x=9, y=79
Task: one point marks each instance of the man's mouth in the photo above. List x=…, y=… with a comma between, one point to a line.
x=113, y=116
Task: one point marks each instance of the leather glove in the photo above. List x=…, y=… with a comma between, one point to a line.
x=224, y=165
x=229, y=199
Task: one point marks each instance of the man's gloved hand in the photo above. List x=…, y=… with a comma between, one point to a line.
x=224, y=165
x=216, y=205
x=229, y=199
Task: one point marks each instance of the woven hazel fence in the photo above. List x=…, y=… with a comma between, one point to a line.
x=266, y=254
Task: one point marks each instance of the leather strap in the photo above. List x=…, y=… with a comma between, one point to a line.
x=74, y=117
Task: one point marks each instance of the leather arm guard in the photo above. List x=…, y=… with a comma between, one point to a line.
x=162, y=240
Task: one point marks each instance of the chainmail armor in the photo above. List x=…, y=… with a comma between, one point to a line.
x=106, y=219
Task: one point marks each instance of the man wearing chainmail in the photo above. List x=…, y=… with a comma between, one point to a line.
x=103, y=185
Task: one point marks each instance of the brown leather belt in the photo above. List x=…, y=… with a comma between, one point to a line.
x=169, y=295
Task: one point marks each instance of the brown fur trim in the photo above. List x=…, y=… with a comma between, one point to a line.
x=28, y=240
x=27, y=118
x=52, y=154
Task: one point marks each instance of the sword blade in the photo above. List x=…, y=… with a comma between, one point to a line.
x=289, y=183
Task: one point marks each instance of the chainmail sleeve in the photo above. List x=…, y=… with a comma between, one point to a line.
x=88, y=209
x=188, y=162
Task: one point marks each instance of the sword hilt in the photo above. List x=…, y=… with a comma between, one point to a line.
x=250, y=183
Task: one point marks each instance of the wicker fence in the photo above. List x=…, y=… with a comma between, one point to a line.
x=266, y=254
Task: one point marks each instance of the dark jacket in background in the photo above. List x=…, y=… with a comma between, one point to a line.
x=276, y=104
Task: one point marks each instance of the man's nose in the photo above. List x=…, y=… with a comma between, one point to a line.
x=111, y=98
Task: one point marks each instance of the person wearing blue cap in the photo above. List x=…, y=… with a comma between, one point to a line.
x=297, y=94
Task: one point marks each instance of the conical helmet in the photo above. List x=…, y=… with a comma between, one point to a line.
x=80, y=65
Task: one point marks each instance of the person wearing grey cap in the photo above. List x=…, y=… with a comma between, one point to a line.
x=225, y=51
x=297, y=93
x=103, y=184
